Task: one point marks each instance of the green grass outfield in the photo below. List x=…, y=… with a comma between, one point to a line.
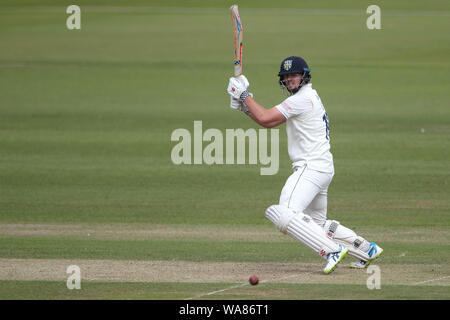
x=86, y=176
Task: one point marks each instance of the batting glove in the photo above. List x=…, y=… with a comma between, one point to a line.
x=235, y=103
x=244, y=81
x=236, y=88
x=238, y=104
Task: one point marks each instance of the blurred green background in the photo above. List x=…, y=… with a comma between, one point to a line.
x=86, y=115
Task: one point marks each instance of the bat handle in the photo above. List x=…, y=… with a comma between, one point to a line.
x=237, y=68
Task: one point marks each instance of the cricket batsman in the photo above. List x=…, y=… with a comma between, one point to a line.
x=302, y=209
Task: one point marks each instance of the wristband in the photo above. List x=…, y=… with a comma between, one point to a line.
x=244, y=95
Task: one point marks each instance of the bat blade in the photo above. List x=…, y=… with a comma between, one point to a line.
x=237, y=39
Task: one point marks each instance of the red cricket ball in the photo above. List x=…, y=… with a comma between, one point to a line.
x=253, y=280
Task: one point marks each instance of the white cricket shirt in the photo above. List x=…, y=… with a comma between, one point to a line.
x=307, y=130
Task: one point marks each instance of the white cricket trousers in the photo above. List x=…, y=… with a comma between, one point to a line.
x=306, y=191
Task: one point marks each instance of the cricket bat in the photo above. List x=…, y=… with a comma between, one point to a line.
x=237, y=39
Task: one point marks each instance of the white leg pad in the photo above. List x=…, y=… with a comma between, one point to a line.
x=347, y=237
x=302, y=228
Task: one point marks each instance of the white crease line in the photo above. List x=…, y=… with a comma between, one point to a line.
x=241, y=285
x=426, y=281
x=214, y=292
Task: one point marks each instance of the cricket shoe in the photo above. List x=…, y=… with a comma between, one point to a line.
x=374, y=252
x=334, y=258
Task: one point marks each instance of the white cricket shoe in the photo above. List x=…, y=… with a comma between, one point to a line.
x=374, y=252
x=334, y=258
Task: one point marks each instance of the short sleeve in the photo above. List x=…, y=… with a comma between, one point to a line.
x=296, y=105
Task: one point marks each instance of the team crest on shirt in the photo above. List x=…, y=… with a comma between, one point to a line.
x=287, y=65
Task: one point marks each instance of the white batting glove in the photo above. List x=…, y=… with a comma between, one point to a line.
x=235, y=103
x=244, y=81
x=236, y=87
x=238, y=104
